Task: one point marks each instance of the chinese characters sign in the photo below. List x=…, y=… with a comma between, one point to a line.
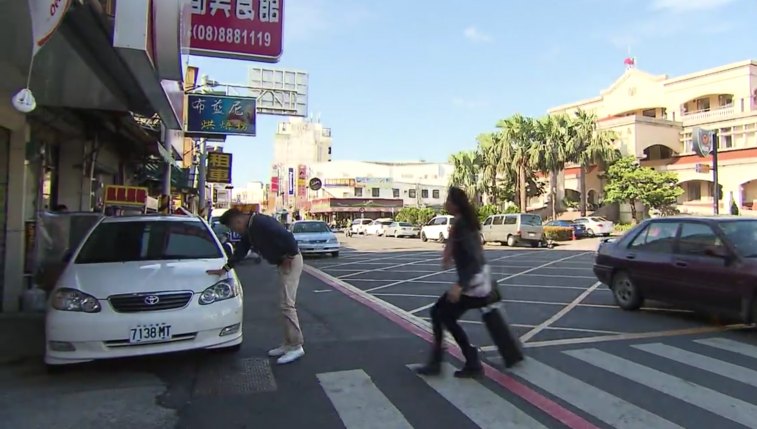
x=219, y=114
x=302, y=184
x=290, y=182
x=241, y=29
x=219, y=167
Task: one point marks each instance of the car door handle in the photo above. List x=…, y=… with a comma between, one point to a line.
x=631, y=256
x=681, y=264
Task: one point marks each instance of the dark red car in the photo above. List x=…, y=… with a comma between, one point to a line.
x=705, y=263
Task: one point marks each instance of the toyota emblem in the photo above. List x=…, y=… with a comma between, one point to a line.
x=152, y=299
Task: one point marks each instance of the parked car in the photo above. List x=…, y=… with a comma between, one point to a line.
x=359, y=225
x=579, y=229
x=596, y=225
x=437, y=228
x=698, y=262
x=315, y=237
x=513, y=229
x=402, y=229
x=378, y=227
x=137, y=285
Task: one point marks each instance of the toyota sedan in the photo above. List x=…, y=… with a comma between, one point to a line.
x=315, y=237
x=137, y=286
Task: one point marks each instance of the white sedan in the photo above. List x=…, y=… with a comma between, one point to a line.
x=378, y=227
x=596, y=225
x=137, y=286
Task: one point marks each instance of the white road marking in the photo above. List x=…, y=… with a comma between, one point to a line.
x=730, y=346
x=518, y=325
x=482, y=406
x=409, y=295
x=367, y=261
x=359, y=403
x=323, y=290
x=433, y=274
x=705, y=363
x=540, y=266
x=557, y=316
x=558, y=276
x=404, y=264
x=421, y=308
x=610, y=409
x=723, y=405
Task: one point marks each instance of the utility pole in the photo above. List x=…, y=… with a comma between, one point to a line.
x=715, y=185
x=201, y=169
x=167, y=176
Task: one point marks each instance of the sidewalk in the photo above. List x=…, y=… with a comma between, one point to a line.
x=22, y=338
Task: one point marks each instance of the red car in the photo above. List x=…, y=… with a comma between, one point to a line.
x=704, y=263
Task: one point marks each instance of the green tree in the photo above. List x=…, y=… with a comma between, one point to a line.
x=549, y=156
x=487, y=210
x=627, y=181
x=590, y=146
x=517, y=137
x=465, y=176
x=488, y=151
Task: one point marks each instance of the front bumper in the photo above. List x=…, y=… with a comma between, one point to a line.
x=603, y=273
x=105, y=335
x=316, y=249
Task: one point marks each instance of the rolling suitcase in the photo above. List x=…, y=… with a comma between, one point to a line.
x=507, y=342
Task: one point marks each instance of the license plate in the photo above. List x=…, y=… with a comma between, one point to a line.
x=531, y=234
x=150, y=333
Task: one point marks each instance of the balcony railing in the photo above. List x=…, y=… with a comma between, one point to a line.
x=714, y=114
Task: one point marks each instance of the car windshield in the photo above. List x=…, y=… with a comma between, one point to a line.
x=310, y=227
x=743, y=236
x=148, y=241
x=533, y=220
x=386, y=223
x=598, y=219
x=405, y=224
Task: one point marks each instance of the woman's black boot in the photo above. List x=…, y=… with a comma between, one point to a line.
x=472, y=367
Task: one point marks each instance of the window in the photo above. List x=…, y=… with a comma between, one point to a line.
x=488, y=221
x=441, y=221
x=532, y=220
x=498, y=220
x=375, y=192
x=329, y=150
x=742, y=234
x=703, y=105
x=395, y=193
x=424, y=193
x=657, y=237
x=411, y=193
x=148, y=241
x=358, y=192
x=511, y=220
x=435, y=194
x=696, y=239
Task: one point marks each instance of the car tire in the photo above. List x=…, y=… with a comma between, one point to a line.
x=626, y=294
x=511, y=242
x=590, y=233
x=335, y=254
x=441, y=237
x=535, y=244
x=483, y=240
x=423, y=237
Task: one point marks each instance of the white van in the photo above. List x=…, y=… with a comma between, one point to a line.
x=513, y=229
x=437, y=228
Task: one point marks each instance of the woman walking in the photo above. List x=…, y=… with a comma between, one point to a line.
x=471, y=291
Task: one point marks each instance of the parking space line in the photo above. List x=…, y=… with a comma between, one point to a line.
x=541, y=266
x=390, y=267
x=544, y=286
x=551, y=328
x=557, y=316
x=433, y=274
x=409, y=295
x=364, y=261
x=421, y=308
x=563, y=276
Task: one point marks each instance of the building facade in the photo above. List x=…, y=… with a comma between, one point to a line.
x=251, y=193
x=653, y=116
x=301, y=141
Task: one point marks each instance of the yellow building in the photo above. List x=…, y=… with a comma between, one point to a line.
x=653, y=115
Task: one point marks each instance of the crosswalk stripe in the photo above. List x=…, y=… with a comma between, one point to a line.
x=730, y=346
x=612, y=410
x=359, y=403
x=705, y=363
x=479, y=404
x=728, y=407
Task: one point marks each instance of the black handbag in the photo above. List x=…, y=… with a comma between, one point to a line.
x=507, y=342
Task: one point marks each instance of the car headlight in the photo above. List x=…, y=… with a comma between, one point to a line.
x=221, y=291
x=333, y=240
x=65, y=299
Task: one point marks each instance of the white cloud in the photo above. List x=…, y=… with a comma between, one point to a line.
x=680, y=6
x=475, y=35
x=469, y=104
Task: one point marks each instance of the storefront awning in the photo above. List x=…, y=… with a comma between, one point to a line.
x=154, y=170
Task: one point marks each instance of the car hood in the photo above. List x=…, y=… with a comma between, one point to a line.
x=303, y=236
x=103, y=280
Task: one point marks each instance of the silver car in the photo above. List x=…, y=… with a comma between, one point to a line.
x=315, y=237
x=401, y=229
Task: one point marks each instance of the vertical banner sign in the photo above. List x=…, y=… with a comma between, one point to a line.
x=302, y=184
x=219, y=167
x=240, y=29
x=275, y=185
x=46, y=17
x=290, y=181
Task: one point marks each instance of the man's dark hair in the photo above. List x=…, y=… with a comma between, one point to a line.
x=60, y=208
x=228, y=215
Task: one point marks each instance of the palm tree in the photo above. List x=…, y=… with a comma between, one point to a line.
x=517, y=134
x=550, y=154
x=465, y=176
x=590, y=146
x=488, y=150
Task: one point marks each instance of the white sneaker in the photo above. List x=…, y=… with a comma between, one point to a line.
x=278, y=351
x=291, y=356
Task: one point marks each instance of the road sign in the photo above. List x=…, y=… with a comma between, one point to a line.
x=702, y=168
x=219, y=167
x=240, y=29
x=279, y=91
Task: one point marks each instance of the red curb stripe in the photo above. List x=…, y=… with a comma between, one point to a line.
x=548, y=406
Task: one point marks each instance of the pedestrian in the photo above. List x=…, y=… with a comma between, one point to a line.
x=269, y=239
x=472, y=289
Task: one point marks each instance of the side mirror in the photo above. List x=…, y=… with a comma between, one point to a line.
x=68, y=255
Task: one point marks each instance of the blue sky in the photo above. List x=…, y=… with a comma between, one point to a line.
x=419, y=79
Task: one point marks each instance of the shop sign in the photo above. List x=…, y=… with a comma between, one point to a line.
x=46, y=16
x=347, y=183
x=302, y=183
x=213, y=115
x=219, y=167
x=275, y=185
x=315, y=184
x=239, y=29
x=290, y=181
x=117, y=195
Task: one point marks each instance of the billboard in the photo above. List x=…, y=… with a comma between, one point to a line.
x=219, y=167
x=290, y=182
x=279, y=91
x=239, y=29
x=275, y=185
x=302, y=183
x=373, y=182
x=214, y=115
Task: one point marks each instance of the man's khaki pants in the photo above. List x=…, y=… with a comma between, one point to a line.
x=289, y=281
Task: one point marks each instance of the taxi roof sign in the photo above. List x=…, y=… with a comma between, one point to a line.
x=117, y=195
